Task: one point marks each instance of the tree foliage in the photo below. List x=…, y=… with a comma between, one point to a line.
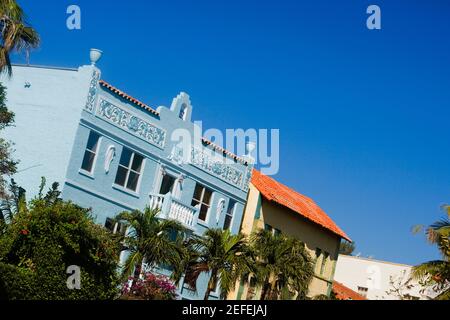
x=347, y=248
x=43, y=239
x=16, y=35
x=222, y=256
x=284, y=268
x=8, y=166
x=150, y=240
x=437, y=273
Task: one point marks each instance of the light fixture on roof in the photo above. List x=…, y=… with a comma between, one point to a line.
x=95, y=55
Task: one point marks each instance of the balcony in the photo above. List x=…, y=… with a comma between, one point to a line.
x=171, y=208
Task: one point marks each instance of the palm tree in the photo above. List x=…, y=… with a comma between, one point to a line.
x=347, y=248
x=225, y=257
x=283, y=265
x=151, y=240
x=437, y=273
x=16, y=34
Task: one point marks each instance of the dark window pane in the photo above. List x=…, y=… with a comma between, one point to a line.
x=125, y=157
x=231, y=205
x=277, y=232
x=207, y=197
x=109, y=224
x=227, y=223
x=122, y=228
x=133, y=181
x=167, y=184
x=268, y=227
x=92, y=141
x=194, y=202
x=198, y=192
x=121, y=176
x=88, y=161
x=137, y=162
x=203, y=212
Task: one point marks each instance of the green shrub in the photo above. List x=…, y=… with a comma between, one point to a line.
x=46, y=237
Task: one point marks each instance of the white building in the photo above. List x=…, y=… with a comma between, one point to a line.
x=379, y=280
x=47, y=102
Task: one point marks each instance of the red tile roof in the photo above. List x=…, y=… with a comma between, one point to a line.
x=344, y=293
x=128, y=97
x=224, y=151
x=306, y=207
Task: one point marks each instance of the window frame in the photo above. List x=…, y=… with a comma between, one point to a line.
x=117, y=228
x=130, y=169
x=95, y=153
x=173, y=185
x=230, y=214
x=201, y=201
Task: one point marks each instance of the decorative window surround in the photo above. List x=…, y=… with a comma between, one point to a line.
x=131, y=123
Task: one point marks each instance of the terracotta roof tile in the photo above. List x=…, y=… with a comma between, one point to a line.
x=128, y=97
x=224, y=151
x=344, y=293
x=306, y=207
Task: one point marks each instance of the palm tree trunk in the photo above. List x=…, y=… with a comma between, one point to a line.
x=210, y=288
x=137, y=270
x=207, y=293
x=265, y=291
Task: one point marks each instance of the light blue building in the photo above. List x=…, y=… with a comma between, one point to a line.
x=112, y=152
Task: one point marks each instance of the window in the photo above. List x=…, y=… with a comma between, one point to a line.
x=167, y=184
x=272, y=230
x=202, y=200
x=129, y=170
x=324, y=263
x=363, y=291
x=229, y=215
x=183, y=112
x=115, y=227
x=91, y=152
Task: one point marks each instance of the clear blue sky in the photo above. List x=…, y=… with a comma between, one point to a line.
x=363, y=115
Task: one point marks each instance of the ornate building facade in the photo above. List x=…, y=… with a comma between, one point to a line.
x=113, y=153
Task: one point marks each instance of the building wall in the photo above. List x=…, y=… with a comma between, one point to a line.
x=47, y=103
x=376, y=277
x=56, y=109
x=259, y=212
x=115, y=126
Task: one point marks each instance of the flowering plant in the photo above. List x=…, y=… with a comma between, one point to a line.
x=149, y=287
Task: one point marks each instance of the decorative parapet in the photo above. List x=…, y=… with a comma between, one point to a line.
x=221, y=169
x=131, y=123
x=93, y=88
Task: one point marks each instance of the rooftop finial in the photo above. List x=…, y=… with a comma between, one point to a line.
x=95, y=55
x=249, y=148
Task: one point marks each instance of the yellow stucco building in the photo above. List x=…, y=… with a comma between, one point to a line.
x=274, y=206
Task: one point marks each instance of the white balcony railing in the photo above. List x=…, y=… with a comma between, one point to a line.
x=171, y=208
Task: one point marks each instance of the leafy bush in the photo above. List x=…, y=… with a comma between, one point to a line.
x=43, y=239
x=150, y=287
